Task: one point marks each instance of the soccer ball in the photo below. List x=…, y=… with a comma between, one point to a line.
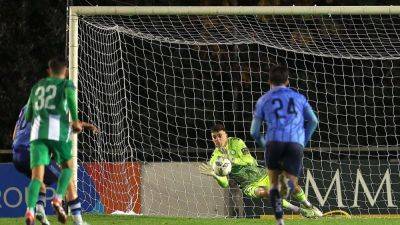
x=222, y=166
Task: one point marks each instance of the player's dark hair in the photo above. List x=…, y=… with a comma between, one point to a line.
x=217, y=128
x=56, y=65
x=278, y=75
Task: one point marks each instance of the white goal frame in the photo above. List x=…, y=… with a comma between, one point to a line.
x=76, y=11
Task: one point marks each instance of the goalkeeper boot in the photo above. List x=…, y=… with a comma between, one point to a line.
x=317, y=212
x=40, y=215
x=58, y=208
x=306, y=212
x=310, y=212
x=29, y=218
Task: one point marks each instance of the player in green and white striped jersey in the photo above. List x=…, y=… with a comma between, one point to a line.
x=51, y=102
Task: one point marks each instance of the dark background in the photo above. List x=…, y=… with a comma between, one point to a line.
x=33, y=31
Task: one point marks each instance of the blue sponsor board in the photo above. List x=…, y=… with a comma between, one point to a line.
x=13, y=192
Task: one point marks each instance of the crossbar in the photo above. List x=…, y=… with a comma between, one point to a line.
x=233, y=10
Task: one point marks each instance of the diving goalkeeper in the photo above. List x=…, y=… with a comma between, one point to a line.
x=251, y=178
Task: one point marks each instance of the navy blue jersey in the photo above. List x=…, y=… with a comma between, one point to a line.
x=284, y=110
x=22, y=135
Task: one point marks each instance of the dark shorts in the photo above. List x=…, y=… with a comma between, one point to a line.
x=51, y=172
x=287, y=156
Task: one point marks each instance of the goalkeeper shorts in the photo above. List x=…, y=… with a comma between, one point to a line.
x=250, y=190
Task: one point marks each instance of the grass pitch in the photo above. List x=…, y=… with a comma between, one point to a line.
x=144, y=220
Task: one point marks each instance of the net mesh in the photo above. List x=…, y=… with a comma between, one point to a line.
x=156, y=84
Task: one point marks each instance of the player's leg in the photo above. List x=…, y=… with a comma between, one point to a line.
x=21, y=161
x=292, y=164
x=297, y=193
x=40, y=212
x=39, y=157
x=74, y=204
x=63, y=156
x=273, y=157
x=262, y=192
x=51, y=174
x=260, y=189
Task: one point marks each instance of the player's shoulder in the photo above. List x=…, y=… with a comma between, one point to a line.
x=40, y=82
x=235, y=141
x=217, y=151
x=62, y=83
x=22, y=111
x=264, y=98
x=43, y=82
x=69, y=83
x=296, y=93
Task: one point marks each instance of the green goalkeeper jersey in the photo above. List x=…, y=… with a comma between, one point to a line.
x=245, y=169
x=49, y=105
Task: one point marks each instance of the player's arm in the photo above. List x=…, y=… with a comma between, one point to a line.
x=72, y=106
x=15, y=131
x=206, y=169
x=222, y=181
x=29, y=110
x=256, y=123
x=311, y=123
x=18, y=123
x=90, y=126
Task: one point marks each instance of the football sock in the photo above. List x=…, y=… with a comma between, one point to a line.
x=288, y=205
x=301, y=197
x=63, y=182
x=42, y=199
x=276, y=203
x=33, y=193
x=76, y=210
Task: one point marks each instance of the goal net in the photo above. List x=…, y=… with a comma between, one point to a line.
x=155, y=84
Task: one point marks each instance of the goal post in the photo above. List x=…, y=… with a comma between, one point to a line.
x=156, y=78
x=73, y=75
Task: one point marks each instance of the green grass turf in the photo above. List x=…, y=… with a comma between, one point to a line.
x=144, y=220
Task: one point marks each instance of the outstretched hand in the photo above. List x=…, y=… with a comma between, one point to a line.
x=206, y=169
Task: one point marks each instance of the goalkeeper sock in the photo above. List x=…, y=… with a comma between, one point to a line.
x=301, y=197
x=288, y=205
x=63, y=182
x=33, y=193
x=276, y=203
